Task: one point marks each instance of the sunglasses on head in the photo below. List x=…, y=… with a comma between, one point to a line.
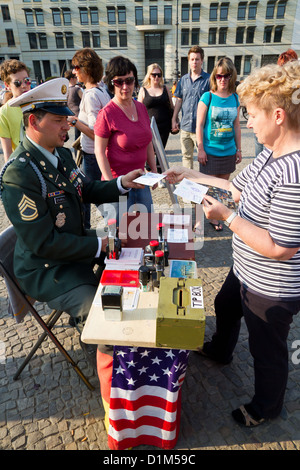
x=156, y=75
x=18, y=83
x=76, y=67
x=226, y=76
x=119, y=82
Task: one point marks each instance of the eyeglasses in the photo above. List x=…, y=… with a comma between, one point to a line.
x=156, y=75
x=119, y=82
x=18, y=83
x=226, y=76
x=76, y=67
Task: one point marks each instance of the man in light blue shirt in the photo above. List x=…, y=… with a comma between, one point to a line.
x=188, y=92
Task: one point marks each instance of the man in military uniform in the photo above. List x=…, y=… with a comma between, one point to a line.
x=43, y=193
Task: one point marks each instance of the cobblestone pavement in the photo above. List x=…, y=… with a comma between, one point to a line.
x=49, y=408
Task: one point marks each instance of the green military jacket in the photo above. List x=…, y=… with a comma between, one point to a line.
x=54, y=253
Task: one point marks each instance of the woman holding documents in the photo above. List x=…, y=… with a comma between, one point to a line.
x=263, y=285
x=123, y=137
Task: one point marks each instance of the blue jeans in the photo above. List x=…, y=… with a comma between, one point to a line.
x=92, y=170
x=141, y=197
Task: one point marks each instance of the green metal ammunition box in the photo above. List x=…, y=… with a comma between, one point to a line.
x=180, y=319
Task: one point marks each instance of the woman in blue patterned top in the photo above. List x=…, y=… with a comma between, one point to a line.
x=264, y=283
x=218, y=129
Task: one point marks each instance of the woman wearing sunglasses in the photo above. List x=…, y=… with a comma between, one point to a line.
x=218, y=129
x=88, y=68
x=158, y=100
x=14, y=74
x=123, y=137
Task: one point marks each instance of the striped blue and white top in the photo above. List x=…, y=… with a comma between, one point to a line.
x=270, y=199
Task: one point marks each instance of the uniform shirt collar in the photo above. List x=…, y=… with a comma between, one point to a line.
x=50, y=156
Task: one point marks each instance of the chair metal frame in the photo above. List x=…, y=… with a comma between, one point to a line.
x=45, y=325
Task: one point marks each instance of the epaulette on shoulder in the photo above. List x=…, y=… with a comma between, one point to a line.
x=23, y=160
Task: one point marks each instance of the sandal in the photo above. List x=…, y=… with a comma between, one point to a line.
x=218, y=227
x=242, y=416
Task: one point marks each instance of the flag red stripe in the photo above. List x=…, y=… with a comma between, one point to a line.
x=121, y=424
x=141, y=440
x=146, y=400
x=146, y=439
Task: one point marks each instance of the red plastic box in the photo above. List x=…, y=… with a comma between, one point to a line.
x=120, y=278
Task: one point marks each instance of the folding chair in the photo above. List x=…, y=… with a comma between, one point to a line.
x=21, y=304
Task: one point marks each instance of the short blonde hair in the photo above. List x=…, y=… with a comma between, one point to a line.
x=274, y=86
x=150, y=68
x=227, y=66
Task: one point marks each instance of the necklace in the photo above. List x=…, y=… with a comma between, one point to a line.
x=126, y=110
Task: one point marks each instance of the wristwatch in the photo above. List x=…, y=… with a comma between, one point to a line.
x=229, y=219
x=74, y=122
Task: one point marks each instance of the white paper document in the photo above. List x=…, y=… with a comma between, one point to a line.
x=178, y=235
x=176, y=219
x=191, y=191
x=149, y=179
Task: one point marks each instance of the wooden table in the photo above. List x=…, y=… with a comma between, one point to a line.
x=138, y=327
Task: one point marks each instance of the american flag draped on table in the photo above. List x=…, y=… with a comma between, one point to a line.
x=145, y=396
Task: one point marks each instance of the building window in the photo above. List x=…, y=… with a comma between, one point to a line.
x=241, y=14
x=96, y=39
x=59, y=39
x=224, y=11
x=29, y=17
x=67, y=16
x=268, y=34
x=213, y=12
x=168, y=14
x=185, y=35
x=43, y=41
x=270, y=10
x=69, y=40
x=94, y=15
x=222, y=35
x=5, y=13
x=32, y=41
x=281, y=9
x=122, y=15
x=153, y=15
x=195, y=36
x=210, y=63
x=195, y=13
x=123, y=38
x=84, y=19
x=56, y=16
x=185, y=12
x=111, y=15
x=112, y=36
x=250, y=35
x=139, y=15
x=239, y=39
x=238, y=63
x=39, y=17
x=252, y=11
x=278, y=33
x=85, y=37
x=212, y=36
x=247, y=64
